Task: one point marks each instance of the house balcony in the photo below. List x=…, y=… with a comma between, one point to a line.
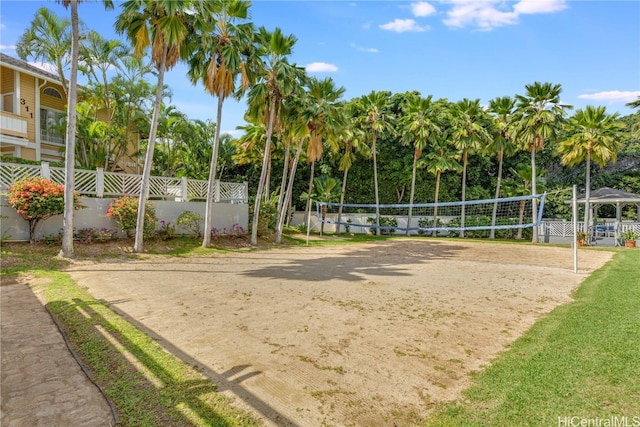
x=13, y=125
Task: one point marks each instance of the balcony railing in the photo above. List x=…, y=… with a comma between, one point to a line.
x=13, y=125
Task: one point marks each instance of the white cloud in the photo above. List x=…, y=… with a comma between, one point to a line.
x=612, y=96
x=403, y=25
x=539, y=6
x=481, y=13
x=364, y=49
x=321, y=67
x=490, y=14
x=422, y=8
x=4, y=47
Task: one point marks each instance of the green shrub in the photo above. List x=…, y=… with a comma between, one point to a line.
x=191, y=221
x=385, y=221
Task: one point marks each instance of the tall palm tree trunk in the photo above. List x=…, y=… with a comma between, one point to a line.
x=307, y=209
x=534, y=202
x=375, y=184
x=464, y=191
x=520, y=219
x=208, y=210
x=69, y=156
x=263, y=175
x=413, y=189
x=283, y=182
x=492, y=233
x=282, y=214
x=342, y=191
x=148, y=160
x=435, y=206
x=587, y=195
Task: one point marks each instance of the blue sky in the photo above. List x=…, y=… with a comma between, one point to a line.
x=449, y=49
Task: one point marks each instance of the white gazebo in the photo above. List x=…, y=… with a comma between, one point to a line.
x=610, y=196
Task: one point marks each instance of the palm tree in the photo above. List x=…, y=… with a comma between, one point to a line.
x=70, y=140
x=97, y=57
x=49, y=40
x=593, y=135
x=419, y=123
x=353, y=141
x=219, y=54
x=321, y=115
x=161, y=25
x=442, y=157
x=375, y=118
x=294, y=128
x=469, y=134
x=502, y=143
x=635, y=128
x=539, y=114
x=276, y=81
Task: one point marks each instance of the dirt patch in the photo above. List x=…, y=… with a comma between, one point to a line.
x=367, y=334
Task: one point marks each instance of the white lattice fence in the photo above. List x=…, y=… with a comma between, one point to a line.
x=197, y=190
x=15, y=172
x=230, y=191
x=110, y=184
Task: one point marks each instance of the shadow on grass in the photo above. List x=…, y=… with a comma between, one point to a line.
x=148, y=385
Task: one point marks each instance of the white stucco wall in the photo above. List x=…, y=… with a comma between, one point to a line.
x=94, y=215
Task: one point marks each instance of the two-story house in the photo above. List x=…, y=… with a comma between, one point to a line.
x=32, y=109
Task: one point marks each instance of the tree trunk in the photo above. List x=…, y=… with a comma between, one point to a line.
x=413, y=189
x=263, y=175
x=285, y=175
x=435, y=206
x=464, y=188
x=32, y=230
x=70, y=143
x=344, y=188
x=534, y=202
x=208, y=210
x=492, y=233
x=375, y=184
x=520, y=219
x=288, y=194
x=307, y=209
x=587, y=195
x=148, y=161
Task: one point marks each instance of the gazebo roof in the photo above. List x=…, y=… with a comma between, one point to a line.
x=606, y=195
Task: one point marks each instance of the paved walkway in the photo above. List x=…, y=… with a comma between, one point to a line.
x=41, y=383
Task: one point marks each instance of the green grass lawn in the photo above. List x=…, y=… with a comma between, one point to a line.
x=582, y=360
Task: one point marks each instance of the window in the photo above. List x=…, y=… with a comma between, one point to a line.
x=52, y=126
x=7, y=102
x=52, y=92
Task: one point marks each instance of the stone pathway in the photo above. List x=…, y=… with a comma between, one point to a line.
x=41, y=383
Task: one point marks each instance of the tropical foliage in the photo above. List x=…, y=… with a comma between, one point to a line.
x=386, y=147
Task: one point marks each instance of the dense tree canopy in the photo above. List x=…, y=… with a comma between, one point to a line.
x=383, y=147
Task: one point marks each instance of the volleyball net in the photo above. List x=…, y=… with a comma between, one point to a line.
x=509, y=213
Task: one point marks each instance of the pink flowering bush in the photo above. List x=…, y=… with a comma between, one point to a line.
x=124, y=212
x=36, y=199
